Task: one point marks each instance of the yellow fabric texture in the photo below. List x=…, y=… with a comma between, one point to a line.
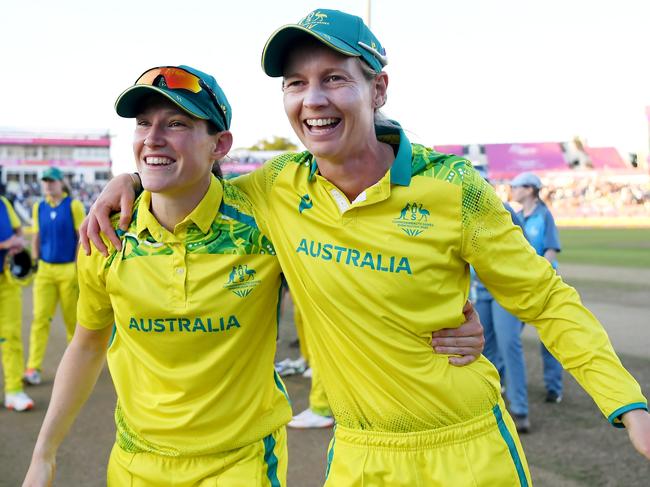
x=250, y=466
x=53, y=283
x=195, y=315
x=376, y=276
x=317, y=395
x=10, y=329
x=453, y=456
x=11, y=305
x=13, y=218
x=76, y=206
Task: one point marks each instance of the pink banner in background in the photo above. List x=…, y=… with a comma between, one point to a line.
x=505, y=161
x=605, y=158
x=449, y=149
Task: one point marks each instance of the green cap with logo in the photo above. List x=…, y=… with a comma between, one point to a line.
x=194, y=91
x=52, y=174
x=338, y=30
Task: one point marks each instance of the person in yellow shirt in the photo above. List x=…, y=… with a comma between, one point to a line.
x=186, y=310
x=375, y=236
x=54, y=246
x=11, y=344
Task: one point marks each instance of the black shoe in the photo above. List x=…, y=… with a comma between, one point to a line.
x=522, y=423
x=553, y=397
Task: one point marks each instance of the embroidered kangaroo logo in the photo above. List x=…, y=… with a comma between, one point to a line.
x=241, y=280
x=424, y=213
x=413, y=219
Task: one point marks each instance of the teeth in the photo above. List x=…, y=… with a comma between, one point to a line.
x=320, y=122
x=158, y=161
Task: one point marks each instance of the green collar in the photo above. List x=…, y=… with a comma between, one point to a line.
x=202, y=216
x=400, y=171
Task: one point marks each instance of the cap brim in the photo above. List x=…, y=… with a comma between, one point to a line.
x=276, y=47
x=128, y=104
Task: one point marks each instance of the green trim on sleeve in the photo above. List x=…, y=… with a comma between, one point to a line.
x=615, y=417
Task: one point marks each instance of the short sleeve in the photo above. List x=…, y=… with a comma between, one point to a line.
x=13, y=218
x=78, y=213
x=551, y=237
x=94, y=308
x=35, y=217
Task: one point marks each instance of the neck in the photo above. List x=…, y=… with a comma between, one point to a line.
x=56, y=199
x=359, y=171
x=171, y=208
x=529, y=205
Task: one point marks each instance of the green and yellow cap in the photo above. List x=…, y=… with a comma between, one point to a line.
x=194, y=91
x=52, y=174
x=344, y=33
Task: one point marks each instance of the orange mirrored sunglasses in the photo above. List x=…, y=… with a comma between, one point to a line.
x=175, y=78
x=179, y=79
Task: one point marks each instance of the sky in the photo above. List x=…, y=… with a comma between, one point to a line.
x=461, y=71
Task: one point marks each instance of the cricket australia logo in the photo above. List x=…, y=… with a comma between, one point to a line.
x=241, y=280
x=314, y=19
x=413, y=219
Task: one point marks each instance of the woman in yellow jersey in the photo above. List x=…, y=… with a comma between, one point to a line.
x=56, y=218
x=11, y=344
x=397, y=225
x=183, y=306
x=186, y=309
x=375, y=236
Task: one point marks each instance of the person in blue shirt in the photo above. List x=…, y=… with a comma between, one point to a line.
x=541, y=232
x=56, y=218
x=503, y=342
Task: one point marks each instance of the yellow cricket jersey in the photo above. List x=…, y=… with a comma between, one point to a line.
x=76, y=207
x=195, y=325
x=9, y=222
x=374, y=277
x=13, y=218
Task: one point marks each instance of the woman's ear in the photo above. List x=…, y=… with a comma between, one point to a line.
x=222, y=145
x=380, y=85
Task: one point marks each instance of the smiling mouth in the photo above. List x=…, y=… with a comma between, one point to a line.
x=158, y=161
x=321, y=125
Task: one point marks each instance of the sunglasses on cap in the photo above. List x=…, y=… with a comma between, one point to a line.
x=179, y=79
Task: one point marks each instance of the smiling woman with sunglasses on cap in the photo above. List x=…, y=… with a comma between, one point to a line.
x=187, y=307
x=375, y=236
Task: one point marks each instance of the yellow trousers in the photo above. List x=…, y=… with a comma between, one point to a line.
x=11, y=308
x=482, y=452
x=317, y=397
x=260, y=464
x=53, y=283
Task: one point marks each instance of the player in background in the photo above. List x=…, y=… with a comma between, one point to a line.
x=503, y=345
x=11, y=344
x=318, y=414
x=541, y=232
x=56, y=218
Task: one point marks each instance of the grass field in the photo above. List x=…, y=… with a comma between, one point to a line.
x=608, y=247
